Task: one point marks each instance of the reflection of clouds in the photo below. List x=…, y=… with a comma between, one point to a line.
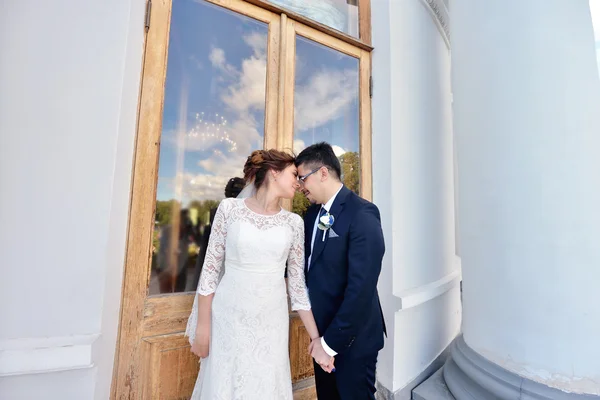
x=244, y=90
x=197, y=187
x=225, y=164
x=299, y=145
x=219, y=167
x=195, y=62
x=217, y=58
x=238, y=85
x=338, y=150
x=249, y=138
x=223, y=143
x=224, y=118
x=258, y=42
x=324, y=97
x=248, y=92
x=209, y=132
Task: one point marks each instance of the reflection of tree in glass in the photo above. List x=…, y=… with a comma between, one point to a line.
x=204, y=208
x=300, y=204
x=350, y=162
x=162, y=218
x=164, y=214
x=164, y=210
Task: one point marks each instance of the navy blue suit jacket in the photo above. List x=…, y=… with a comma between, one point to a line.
x=342, y=277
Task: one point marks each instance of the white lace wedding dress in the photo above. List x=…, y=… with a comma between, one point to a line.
x=244, y=266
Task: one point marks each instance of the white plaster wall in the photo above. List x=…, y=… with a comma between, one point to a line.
x=382, y=175
x=69, y=73
x=413, y=186
x=71, y=385
x=526, y=101
x=430, y=327
x=422, y=146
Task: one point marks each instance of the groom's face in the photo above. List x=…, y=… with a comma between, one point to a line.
x=310, y=182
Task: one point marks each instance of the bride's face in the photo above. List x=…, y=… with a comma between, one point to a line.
x=287, y=182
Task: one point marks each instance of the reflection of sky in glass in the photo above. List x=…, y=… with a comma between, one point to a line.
x=215, y=99
x=326, y=97
x=216, y=73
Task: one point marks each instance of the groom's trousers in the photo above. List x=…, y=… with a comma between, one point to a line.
x=353, y=379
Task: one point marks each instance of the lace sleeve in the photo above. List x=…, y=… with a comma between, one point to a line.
x=296, y=283
x=215, y=252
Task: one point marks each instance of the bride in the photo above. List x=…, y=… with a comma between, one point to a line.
x=239, y=321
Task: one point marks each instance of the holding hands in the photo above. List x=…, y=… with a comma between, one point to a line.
x=315, y=349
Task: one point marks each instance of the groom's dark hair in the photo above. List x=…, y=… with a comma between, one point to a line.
x=320, y=154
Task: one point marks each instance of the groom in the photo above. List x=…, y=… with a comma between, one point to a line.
x=344, y=248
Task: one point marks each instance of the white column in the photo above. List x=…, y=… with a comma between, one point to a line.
x=527, y=122
x=69, y=77
x=413, y=186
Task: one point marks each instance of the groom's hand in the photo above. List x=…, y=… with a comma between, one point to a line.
x=321, y=357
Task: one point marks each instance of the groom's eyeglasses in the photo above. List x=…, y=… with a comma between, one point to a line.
x=303, y=177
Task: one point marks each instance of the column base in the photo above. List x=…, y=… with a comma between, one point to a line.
x=469, y=376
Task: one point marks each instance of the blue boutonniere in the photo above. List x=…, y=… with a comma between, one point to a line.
x=325, y=222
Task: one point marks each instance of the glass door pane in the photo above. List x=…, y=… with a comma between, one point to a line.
x=214, y=115
x=326, y=107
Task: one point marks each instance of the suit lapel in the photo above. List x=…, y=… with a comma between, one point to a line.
x=318, y=247
x=336, y=209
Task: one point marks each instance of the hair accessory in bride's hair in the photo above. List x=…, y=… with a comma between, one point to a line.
x=257, y=157
x=253, y=165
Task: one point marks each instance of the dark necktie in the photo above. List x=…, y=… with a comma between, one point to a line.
x=319, y=235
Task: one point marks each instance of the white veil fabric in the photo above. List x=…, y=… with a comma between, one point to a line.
x=190, y=331
x=248, y=191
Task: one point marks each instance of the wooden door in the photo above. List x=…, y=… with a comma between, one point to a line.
x=218, y=81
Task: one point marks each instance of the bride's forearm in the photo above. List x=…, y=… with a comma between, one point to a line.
x=204, y=310
x=309, y=323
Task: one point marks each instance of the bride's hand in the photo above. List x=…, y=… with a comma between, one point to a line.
x=201, y=343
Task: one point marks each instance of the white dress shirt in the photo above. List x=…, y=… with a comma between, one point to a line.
x=327, y=207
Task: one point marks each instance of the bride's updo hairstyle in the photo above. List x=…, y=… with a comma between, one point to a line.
x=261, y=161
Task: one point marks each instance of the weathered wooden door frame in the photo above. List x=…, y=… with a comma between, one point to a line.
x=150, y=321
